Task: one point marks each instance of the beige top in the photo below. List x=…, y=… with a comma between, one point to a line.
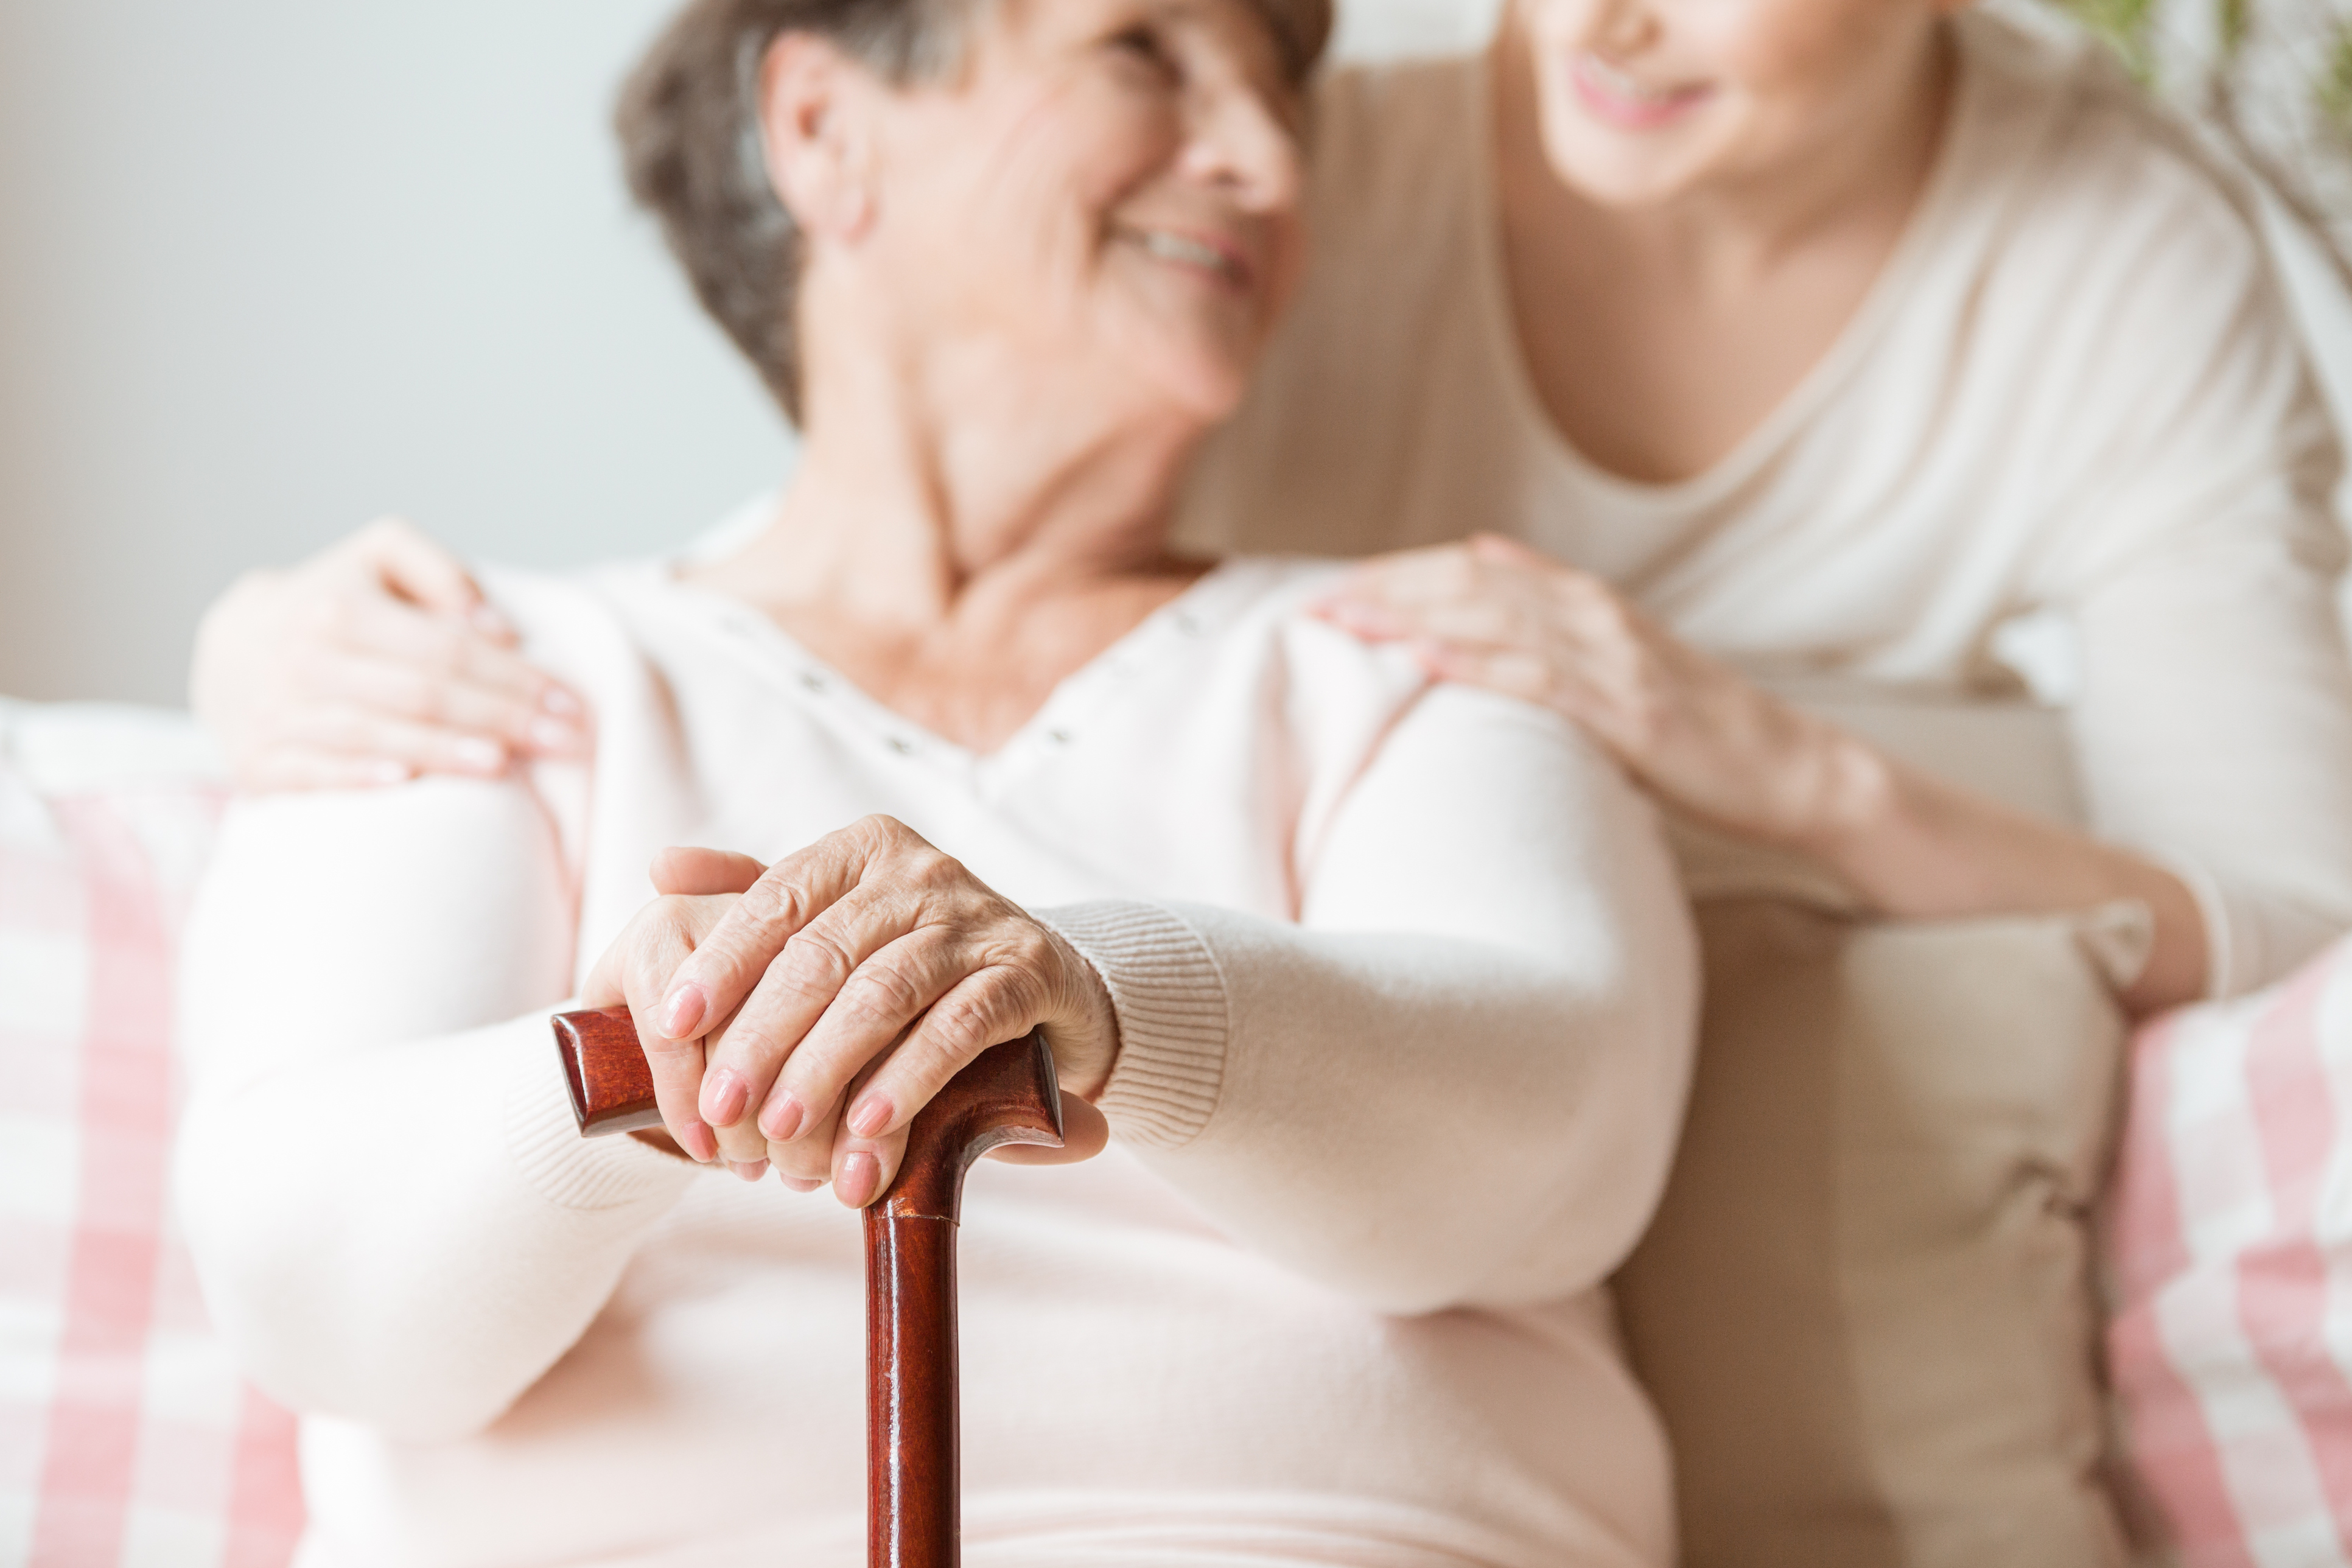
x=1406, y=997
x=2075, y=390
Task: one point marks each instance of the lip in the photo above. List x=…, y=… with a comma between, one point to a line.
x=1203, y=252
x=1609, y=94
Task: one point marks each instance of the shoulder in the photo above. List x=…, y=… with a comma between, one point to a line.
x=2083, y=174
x=602, y=629
x=1336, y=693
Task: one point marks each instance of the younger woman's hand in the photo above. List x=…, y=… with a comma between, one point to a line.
x=371, y=663
x=1493, y=613
x=806, y=1020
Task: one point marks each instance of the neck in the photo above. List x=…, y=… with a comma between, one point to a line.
x=946, y=483
x=1862, y=170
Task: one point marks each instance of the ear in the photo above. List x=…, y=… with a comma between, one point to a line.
x=816, y=128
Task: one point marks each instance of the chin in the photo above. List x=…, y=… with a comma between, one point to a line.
x=1205, y=376
x=1211, y=394
x=1615, y=170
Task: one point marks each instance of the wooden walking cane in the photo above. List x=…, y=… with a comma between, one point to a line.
x=1008, y=1095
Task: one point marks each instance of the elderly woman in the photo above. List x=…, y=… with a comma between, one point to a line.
x=1839, y=338
x=1379, y=992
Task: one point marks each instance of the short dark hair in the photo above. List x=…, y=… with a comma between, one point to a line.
x=689, y=127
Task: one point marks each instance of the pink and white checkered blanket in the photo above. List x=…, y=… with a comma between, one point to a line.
x=126, y=1436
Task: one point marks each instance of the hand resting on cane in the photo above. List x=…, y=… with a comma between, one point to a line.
x=803, y=1013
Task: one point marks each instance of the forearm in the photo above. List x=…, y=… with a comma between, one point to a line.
x=1914, y=847
x=1414, y=1121
x=1458, y=1078
x=392, y=1215
x=418, y=1260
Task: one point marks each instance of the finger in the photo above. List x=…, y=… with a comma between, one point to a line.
x=419, y=568
x=1483, y=619
x=635, y=972
x=864, y=1168
x=288, y=767
x=691, y=871
x=842, y=992
x=439, y=657
x=1410, y=576
x=1503, y=550
x=984, y=1007
x=359, y=733
x=1505, y=669
x=397, y=688
x=1084, y=1134
x=734, y=958
x=1593, y=706
x=810, y=1159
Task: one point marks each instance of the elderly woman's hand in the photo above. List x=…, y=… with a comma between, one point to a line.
x=1493, y=613
x=807, y=1017
x=372, y=662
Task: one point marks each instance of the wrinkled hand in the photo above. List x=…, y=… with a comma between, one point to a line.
x=1494, y=613
x=801, y=1013
x=370, y=663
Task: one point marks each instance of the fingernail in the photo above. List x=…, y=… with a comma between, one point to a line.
x=800, y=1183
x=387, y=773
x=860, y=1173
x=553, y=735
x=480, y=756
x=489, y=623
x=752, y=1170
x=781, y=1120
x=700, y=1142
x=559, y=701
x=870, y=1115
x=724, y=1095
x=681, y=1011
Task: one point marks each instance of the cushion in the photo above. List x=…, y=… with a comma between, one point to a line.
x=1866, y=1308
x=2231, y=1247
x=126, y=1435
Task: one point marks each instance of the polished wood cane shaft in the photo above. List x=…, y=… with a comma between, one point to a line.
x=1008, y=1095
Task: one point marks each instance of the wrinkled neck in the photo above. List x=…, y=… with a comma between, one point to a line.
x=941, y=467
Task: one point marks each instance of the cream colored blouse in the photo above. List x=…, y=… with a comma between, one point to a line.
x=2074, y=393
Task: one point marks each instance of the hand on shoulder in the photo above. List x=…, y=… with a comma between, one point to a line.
x=373, y=662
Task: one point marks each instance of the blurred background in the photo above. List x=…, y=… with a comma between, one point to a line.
x=271, y=268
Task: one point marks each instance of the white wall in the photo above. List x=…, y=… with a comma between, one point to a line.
x=268, y=268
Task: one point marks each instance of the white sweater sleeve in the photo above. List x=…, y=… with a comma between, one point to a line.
x=2199, y=556
x=329, y=965
x=1458, y=1079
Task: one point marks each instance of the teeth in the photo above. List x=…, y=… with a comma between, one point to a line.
x=1625, y=86
x=1192, y=252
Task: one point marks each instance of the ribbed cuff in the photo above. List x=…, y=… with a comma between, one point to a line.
x=573, y=1171
x=2226, y=963
x=1172, y=1021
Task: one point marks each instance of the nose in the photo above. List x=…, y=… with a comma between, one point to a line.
x=1240, y=142
x=1623, y=28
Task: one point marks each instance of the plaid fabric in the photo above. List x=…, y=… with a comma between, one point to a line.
x=2232, y=1243
x=126, y=1436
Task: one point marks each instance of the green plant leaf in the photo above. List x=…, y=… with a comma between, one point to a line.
x=2128, y=26
x=2335, y=79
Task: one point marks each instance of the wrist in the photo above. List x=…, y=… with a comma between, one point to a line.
x=1852, y=792
x=1086, y=1037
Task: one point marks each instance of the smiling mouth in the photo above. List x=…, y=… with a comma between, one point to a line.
x=1184, y=250
x=1620, y=97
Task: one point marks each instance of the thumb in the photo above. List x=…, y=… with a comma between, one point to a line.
x=416, y=567
x=701, y=872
